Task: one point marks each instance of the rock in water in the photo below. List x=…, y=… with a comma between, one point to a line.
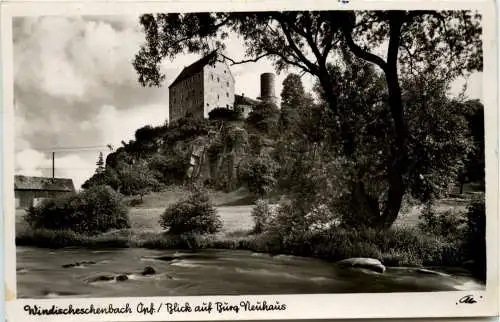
x=102, y=278
x=78, y=264
x=165, y=258
x=366, y=263
x=121, y=278
x=148, y=271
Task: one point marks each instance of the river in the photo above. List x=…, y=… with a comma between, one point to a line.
x=44, y=273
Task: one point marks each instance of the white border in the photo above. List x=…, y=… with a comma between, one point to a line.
x=382, y=305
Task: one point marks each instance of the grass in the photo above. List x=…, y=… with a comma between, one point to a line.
x=173, y=194
x=236, y=218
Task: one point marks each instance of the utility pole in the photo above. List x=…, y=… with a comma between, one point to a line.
x=53, y=165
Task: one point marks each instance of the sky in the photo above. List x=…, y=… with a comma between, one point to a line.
x=76, y=90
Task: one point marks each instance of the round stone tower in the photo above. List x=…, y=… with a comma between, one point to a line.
x=267, y=87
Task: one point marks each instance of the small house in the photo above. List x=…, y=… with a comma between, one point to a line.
x=30, y=191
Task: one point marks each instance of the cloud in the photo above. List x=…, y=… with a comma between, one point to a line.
x=115, y=125
x=71, y=57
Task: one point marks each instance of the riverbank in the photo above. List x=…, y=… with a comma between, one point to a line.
x=397, y=247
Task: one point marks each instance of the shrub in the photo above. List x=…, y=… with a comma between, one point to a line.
x=224, y=114
x=264, y=118
x=108, y=177
x=262, y=216
x=448, y=224
x=475, y=244
x=48, y=238
x=194, y=215
x=98, y=209
x=171, y=167
x=137, y=179
x=258, y=174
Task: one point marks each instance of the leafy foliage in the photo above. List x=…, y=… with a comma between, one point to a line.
x=476, y=236
x=258, y=174
x=108, y=177
x=448, y=224
x=264, y=118
x=224, y=114
x=294, y=100
x=137, y=179
x=194, y=215
x=92, y=211
x=169, y=166
x=262, y=216
x=185, y=129
x=440, y=139
x=475, y=165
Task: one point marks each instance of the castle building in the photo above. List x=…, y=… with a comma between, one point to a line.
x=200, y=87
x=208, y=84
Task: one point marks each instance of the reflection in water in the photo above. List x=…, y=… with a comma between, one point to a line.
x=111, y=273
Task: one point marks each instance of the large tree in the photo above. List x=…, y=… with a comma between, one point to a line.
x=444, y=42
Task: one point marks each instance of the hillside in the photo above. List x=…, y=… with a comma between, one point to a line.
x=189, y=151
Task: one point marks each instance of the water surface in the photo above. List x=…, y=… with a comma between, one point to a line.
x=44, y=273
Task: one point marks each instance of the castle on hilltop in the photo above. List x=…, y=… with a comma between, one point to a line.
x=208, y=84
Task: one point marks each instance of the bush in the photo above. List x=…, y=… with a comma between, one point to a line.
x=258, y=174
x=171, y=167
x=194, y=215
x=264, y=118
x=98, y=209
x=475, y=245
x=262, y=216
x=448, y=224
x=224, y=114
x=394, y=247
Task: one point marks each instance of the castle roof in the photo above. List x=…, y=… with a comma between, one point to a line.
x=242, y=100
x=43, y=183
x=195, y=67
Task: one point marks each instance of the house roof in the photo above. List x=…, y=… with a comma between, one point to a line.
x=43, y=183
x=242, y=100
x=195, y=67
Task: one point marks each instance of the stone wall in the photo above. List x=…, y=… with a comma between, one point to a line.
x=187, y=97
x=218, y=87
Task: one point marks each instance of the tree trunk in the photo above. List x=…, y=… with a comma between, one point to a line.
x=364, y=209
x=398, y=157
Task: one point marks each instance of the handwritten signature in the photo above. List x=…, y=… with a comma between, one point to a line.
x=468, y=299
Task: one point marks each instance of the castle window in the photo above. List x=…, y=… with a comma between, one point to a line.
x=227, y=83
x=218, y=79
x=224, y=71
x=227, y=94
x=212, y=75
x=218, y=97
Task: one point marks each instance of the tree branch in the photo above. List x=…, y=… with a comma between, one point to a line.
x=359, y=52
x=250, y=60
x=307, y=34
x=293, y=46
